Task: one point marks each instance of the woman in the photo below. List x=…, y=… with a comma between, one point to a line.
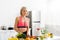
x=22, y=22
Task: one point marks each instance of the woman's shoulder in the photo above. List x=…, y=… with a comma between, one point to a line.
x=17, y=18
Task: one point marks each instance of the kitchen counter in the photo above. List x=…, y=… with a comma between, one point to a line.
x=5, y=34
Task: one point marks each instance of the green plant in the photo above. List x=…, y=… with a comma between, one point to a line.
x=21, y=35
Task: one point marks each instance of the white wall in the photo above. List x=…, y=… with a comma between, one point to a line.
x=9, y=9
x=53, y=12
x=52, y=17
x=50, y=10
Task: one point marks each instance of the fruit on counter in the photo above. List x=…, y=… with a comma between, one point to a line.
x=12, y=38
x=21, y=39
x=27, y=38
x=41, y=37
x=50, y=35
x=38, y=38
x=32, y=38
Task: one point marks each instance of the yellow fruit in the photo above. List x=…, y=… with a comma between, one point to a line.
x=27, y=38
x=31, y=38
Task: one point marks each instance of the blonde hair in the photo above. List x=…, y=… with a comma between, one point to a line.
x=22, y=9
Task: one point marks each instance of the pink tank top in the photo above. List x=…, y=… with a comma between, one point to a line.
x=21, y=22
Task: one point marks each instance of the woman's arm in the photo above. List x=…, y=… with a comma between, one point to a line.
x=15, y=25
x=28, y=27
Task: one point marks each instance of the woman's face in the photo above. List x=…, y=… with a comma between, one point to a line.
x=24, y=12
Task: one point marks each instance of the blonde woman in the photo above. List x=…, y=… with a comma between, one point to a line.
x=22, y=22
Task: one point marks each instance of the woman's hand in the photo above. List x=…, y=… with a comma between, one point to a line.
x=28, y=31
